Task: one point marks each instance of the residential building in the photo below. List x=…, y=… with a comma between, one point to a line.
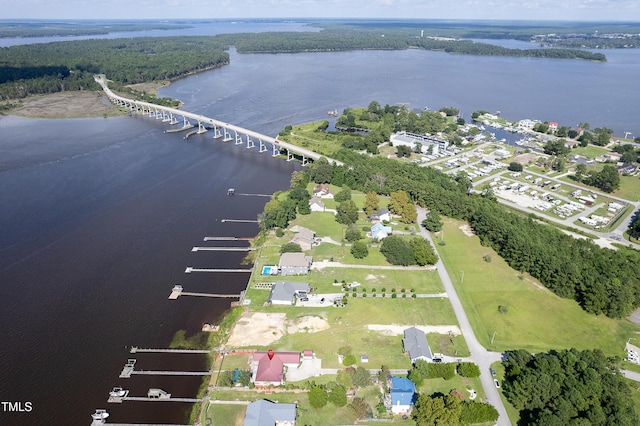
x=284, y=293
x=322, y=191
x=267, y=413
x=403, y=395
x=412, y=140
x=628, y=169
x=304, y=237
x=415, y=343
x=553, y=126
x=380, y=215
x=633, y=353
x=316, y=205
x=268, y=368
x=294, y=264
x=379, y=231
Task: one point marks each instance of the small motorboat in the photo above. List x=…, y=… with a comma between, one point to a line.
x=100, y=414
x=118, y=392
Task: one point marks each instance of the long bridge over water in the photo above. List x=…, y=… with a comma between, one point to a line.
x=221, y=130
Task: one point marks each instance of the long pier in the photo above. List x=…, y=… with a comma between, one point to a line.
x=223, y=248
x=226, y=239
x=172, y=399
x=135, y=349
x=239, y=220
x=191, y=269
x=172, y=373
x=221, y=129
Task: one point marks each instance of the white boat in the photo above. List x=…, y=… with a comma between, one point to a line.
x=100, y=414
x=118, y=392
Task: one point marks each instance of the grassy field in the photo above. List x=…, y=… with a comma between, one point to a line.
x=590, y=151
x=223, y=415
x=348, y=327
x=308, y=136
x=536, y=319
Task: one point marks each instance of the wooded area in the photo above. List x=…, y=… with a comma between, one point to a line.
x=567, y=387
x=53, y=67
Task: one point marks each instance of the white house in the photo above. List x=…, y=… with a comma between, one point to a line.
x=316, y=205
x=380, y=216
x=322, y=191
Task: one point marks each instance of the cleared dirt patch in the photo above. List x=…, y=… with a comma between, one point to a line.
x=307, y=325
x=261, y=329
x=467, y=230
x=74, y=104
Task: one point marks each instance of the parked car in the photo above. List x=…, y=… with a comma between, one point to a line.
x=493, y=372
x=495, y=381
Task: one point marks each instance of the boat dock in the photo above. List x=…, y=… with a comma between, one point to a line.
x=191, y=269
x=255, y=195
x=172, y=373
x=128, y=369
x=142, y=398
x=223, y=248
x=135, y=349
x=239, y=220
x=182, y=129
x=226, y=239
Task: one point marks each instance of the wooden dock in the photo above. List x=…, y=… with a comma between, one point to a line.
x=238, y=220
x=172, y=373
x=144, y=398
x=128, y=369
x=135, y=349
x=226, y=239
x=256, y=195
x=223, y=249
x=191, y=269
x=174, y=295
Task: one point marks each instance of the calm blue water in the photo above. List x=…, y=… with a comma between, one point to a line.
x=98, y=216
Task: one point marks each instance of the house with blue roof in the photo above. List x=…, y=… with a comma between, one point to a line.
x=379, y=231
x=267, y=413
x=403, y=395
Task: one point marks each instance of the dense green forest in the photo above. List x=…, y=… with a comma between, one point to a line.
x=340, y=40
x=568, y=387
x=80, y=28
x=602, y=281
x=52, y=67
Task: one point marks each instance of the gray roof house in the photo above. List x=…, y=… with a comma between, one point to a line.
x=267, y=413
x=294, y=264
x=283, y=293
x=304, y=237
x=415, y=342
x=316, y=205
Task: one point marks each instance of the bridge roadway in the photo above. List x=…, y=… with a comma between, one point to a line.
x=226, y=127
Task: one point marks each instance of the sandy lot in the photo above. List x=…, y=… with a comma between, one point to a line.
x=262, y=329
x=66, y=105
x=395, y=330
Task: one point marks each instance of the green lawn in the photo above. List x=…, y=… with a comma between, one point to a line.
x=223, y=415
x=348, y=327
x=590, y=151
x=308, y=136
x=537, y=319
x=629, y=188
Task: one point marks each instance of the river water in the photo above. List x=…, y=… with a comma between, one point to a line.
x=98, y=216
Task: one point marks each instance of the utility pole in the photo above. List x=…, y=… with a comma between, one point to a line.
x=494, y=336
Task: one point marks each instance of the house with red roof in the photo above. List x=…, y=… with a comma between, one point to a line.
x=553, y=126
x=269, y=367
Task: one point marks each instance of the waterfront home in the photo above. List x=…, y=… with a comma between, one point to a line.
x=403, y=395
x=304, y=237
x=294, y=264
x=379, y=231
x=267, y=413
x=316, y=205
x=415, y=343
x=284, y=293
x=553, y=126
x=322, y=191
x=268, y=368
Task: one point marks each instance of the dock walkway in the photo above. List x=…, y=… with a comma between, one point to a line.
x=172, y=373
x=223, y=249
x=191, y=269
x=135, y=349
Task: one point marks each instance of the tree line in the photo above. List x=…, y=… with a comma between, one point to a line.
x=51, y=67
x=341, y=39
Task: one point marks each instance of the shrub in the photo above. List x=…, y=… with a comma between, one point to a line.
x=394, y=295
x=476, y=412
x=317, y=397
x=359, y=250
x=468, y=369
x=291, y=248
x=338, y=396
x=279, y=232
x=350, y=359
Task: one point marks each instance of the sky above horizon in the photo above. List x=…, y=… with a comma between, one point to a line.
x=574, y=10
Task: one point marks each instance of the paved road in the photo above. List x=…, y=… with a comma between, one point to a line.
x=631, y=375
x=482, y=357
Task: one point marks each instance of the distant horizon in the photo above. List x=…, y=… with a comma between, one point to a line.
x=325, y=18
x=527, y=10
